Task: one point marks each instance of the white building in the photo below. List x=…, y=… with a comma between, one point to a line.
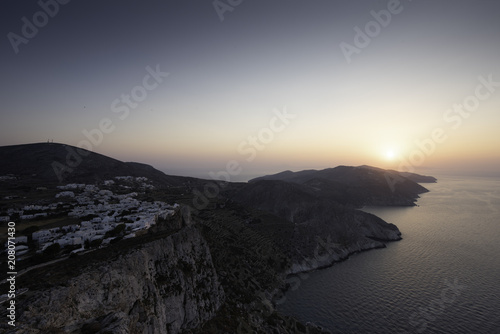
x=22, y=239
x=66, y=194
x=42, y=236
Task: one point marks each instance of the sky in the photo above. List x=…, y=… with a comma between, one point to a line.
x=193, y=87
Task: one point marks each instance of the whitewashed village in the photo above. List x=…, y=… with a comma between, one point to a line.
x=104, y=215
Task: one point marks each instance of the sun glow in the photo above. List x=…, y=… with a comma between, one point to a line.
x=390, y=154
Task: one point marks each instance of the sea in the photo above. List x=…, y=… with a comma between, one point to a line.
x=442, y=277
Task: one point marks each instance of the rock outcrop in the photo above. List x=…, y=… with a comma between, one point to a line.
x=319, y=244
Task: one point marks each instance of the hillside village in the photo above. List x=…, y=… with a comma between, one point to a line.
x=107, y=212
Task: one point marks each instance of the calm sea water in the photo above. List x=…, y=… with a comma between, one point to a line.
x=443, y=277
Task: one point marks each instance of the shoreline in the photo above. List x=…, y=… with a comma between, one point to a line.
x=346, y=255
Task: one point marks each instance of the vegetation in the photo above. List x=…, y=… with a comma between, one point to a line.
x=117, y=231
x=29, y=230
x=53, y=250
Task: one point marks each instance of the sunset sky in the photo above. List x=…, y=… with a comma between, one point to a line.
x=275, y=85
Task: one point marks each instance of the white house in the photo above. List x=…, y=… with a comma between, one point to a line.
x=71, y=186
x=65, y=194
x=22, y=239
x=105, y=193
x=69, y=240
x=42, y=236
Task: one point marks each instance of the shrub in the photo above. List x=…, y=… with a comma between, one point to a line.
x=52, y=250
x=29, y=230
x=116, y=231
x=95, y=243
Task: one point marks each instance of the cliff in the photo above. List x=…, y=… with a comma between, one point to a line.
x=321, y=243
x=316, y=231
x=164, y=286
x=192, y=274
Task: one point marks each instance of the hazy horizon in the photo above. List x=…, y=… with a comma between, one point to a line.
x=187, y=88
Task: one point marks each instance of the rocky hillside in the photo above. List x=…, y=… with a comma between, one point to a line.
x=357, y=186
x=163, y=286
x=321, y=231
x=201, y=277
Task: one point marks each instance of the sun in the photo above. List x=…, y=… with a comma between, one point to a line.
x=390, y=154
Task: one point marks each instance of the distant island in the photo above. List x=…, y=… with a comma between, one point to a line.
x=106, y=246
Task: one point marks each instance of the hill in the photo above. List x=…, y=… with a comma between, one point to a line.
x=60, y=163
x=358, y=186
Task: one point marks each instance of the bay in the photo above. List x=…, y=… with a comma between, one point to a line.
x=441, y=278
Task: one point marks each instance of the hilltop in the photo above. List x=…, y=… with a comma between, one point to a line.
x=61, y=163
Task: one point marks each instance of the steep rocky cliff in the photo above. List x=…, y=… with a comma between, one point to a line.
x=321, y=231
x=319, y=243
x=206, y=274
x=164, y=286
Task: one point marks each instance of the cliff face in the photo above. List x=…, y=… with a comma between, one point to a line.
x=164, y=286
x=319, y=243
x=322, y=231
